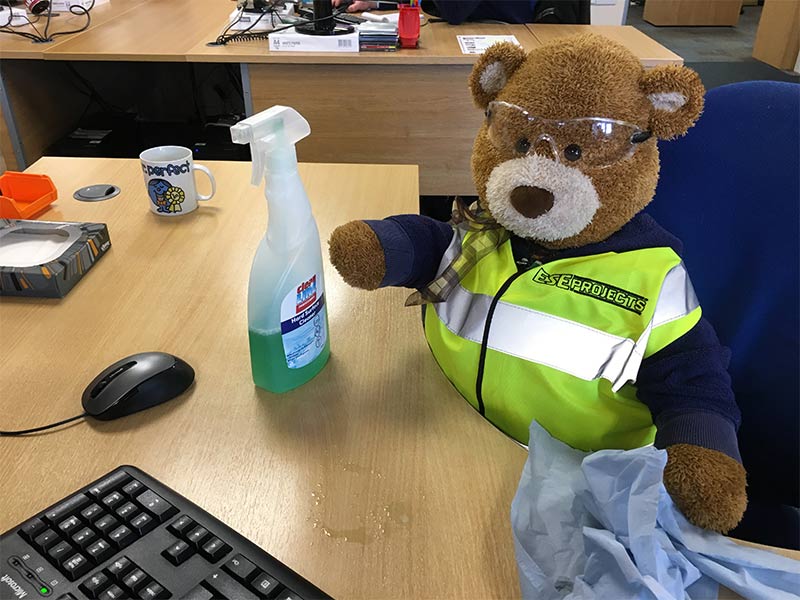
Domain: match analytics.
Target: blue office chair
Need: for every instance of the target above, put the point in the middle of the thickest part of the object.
(730, 189)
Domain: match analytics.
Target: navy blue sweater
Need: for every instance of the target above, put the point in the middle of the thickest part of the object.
(686, 385)
(456, 12)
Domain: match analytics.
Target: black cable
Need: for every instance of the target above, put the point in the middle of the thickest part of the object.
(221, 39)
(46, 37)
(195, 94)
(43, 427)
(81, 11)
(92, 92)
(242, 36)
(47, 23)
(25, 34)
(232, 23)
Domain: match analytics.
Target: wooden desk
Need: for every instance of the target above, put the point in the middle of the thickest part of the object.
(378, 449)
(375, 479)
(159, 30)
(692, 12)
(408, 107)
(778, 36)
(649, 51)
(405, 107)
(17, 47)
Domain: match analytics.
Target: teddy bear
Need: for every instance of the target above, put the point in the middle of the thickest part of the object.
(554, 297)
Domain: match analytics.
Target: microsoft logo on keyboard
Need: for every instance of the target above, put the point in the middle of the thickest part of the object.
(15, 587)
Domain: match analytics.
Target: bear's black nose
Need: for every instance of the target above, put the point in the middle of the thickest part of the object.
(531, 201)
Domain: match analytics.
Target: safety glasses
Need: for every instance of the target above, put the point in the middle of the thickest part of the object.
(587, 141)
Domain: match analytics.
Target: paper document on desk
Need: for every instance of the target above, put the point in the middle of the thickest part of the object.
(477, 44)
(591, 526)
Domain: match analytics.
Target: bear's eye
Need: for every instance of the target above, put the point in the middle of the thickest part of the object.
(522, 146)
(572, 152)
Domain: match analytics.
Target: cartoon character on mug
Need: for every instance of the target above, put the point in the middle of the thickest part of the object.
(167, 197)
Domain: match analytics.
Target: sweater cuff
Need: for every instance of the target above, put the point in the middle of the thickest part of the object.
(705, 429)
(398, 252)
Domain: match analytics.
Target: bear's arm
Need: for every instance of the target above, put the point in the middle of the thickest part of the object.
(413, 247)
(688, 390)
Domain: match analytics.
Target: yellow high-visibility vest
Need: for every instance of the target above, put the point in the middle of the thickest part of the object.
(561, 342)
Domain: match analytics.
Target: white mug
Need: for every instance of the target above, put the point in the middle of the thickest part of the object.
(169, 179)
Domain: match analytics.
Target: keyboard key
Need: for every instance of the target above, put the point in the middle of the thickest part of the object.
(112, 482)
(135, 579)
(154, 591)
(106, 523)
(121, 537)
(241, 568)
(143, 523)
(92, 512)
(76, 566)
(113, 593)
(288, 594)
(32, 528)
(84, 537)
(70, 525)
(95, 584)
(66, 508)
(113, 500)
(181, 526)
(99, 551)
(45, 541)
(127, 511)
(160, 508)
(198, 593)
(264, 585)
(60, 552)
(119, 567)
(197, 536)
(214, 549)
(178, 553)
(224, 586)
(133, 488)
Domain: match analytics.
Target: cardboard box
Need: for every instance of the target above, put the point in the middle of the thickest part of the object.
(291, 41)
(45, 259)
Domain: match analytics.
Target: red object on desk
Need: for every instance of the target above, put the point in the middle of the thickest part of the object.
(408, 26)
(23, 195)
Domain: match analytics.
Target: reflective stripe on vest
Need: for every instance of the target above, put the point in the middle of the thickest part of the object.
(571, 347)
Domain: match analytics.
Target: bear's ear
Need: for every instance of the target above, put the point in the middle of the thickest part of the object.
(493, 70)
(676, 98)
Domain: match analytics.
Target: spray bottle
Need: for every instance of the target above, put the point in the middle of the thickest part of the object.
(286, 311)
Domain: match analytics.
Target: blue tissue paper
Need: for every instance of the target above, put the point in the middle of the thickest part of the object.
(601, 525)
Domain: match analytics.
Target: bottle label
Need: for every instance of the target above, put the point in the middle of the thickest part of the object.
(303, 323)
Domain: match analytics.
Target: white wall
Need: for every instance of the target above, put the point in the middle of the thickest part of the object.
(609, 12)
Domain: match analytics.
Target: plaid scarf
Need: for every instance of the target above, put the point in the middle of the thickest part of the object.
(487, 236)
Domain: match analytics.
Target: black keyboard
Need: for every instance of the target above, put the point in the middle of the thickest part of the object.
(129, 536)
(349, 19)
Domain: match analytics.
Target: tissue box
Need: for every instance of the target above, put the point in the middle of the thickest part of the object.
(45, 259)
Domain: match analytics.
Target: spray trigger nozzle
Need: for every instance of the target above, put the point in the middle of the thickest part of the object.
(272, 135)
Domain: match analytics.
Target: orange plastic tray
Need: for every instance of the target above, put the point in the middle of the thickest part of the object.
(23, 195)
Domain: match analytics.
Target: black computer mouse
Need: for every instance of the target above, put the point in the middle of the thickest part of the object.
(136, 383)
